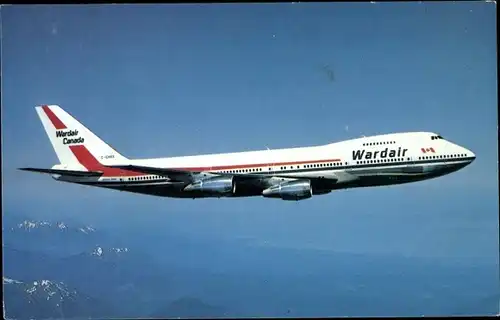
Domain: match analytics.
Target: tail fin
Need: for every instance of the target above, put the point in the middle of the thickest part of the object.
(74, 144)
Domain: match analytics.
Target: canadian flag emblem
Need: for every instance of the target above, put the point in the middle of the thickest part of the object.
(425, 150)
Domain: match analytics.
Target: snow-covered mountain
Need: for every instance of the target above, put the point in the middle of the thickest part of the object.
(57, 238)
(57, 291)
(116, 271)
(99, 251)
(31, 225)
(112, 274)
(48, 299)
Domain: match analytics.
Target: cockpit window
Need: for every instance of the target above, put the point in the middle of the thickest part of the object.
(436, 137)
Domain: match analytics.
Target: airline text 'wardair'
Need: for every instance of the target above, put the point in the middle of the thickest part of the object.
(69, 136)
(380, 154)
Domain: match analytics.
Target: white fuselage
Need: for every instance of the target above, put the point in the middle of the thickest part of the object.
(368, 161)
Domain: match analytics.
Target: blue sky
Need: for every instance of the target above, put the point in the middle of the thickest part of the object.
(168, 80)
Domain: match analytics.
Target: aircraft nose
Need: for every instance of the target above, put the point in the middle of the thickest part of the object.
(470, 155)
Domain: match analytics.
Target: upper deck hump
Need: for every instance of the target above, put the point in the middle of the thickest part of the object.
(275, 155)
(388, 136)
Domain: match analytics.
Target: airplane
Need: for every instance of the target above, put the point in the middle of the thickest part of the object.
(288, 174)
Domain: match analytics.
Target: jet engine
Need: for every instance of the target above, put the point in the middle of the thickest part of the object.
(294, 190)
(216, 185)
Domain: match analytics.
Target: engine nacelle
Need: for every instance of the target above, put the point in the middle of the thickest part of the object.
(217, 185)
(294, 190)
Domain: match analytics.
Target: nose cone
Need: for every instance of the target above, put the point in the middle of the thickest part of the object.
(471, 155)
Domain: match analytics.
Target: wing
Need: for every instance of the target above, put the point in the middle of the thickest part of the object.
(174, 174)
(179, 174)
(153, 170)
(189, 176)
(75, 173)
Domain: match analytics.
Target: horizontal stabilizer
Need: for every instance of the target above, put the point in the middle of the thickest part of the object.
(75, 173)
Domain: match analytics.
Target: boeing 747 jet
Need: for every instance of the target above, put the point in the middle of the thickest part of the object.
(287, 174)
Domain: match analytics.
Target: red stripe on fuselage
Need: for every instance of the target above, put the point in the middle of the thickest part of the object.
(58, 124)
(92, 164)
(256, 165)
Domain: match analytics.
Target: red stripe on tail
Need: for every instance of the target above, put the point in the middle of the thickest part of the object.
(53, 118)
(92, 164)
